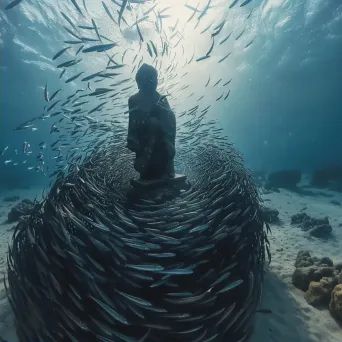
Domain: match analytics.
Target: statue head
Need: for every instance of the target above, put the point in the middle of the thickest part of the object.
(147, 78)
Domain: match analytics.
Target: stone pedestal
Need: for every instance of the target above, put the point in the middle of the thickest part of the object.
(158, 190)
(148, 184)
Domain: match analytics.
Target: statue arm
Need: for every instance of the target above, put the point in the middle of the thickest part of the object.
(171, 132)
(132, 139)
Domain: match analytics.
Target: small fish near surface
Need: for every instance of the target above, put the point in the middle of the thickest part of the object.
(74, 77)
(4, 150)
(246, 2)
(99, 48)
(74, 2)
(122, 9)
(13, 4)
(108, 12)
(59, 53)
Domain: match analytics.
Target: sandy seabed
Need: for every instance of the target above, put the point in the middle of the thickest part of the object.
(285, 315)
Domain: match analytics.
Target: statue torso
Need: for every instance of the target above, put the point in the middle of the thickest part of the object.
(140, 116)
(144, 102)
(145, 108)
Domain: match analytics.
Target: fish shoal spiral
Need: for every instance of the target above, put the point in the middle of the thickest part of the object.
(92, 265)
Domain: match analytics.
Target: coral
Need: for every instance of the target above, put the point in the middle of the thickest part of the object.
(25, 207)
(303, 259)
(320, 228)
(318, 293)
(310, 269)
(302, 276)
(321, 231)
(324, 178)
(338, 266)
(287, 179)
(320, 280)
(270, 215)
(335, 306)
(325, 261)
(299, 218)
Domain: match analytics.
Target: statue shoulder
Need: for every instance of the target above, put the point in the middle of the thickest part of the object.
(162, 99)
(133, 99)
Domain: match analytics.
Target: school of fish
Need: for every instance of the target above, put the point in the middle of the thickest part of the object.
(82, 119)
(91, 265)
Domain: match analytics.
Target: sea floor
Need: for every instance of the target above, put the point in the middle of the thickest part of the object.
(287, 317)
(292, 319)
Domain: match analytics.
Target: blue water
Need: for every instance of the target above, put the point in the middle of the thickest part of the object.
(284, 109)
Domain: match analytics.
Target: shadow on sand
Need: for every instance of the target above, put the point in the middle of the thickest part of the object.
(285, 322)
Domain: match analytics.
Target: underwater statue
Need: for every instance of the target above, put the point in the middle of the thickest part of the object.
(152, 128)
(161, 261)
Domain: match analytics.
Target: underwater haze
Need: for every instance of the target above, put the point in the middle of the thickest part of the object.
(254, 173)
(283, 110)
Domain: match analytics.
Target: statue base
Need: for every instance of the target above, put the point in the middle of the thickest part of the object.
(158, 190)
(153, 183)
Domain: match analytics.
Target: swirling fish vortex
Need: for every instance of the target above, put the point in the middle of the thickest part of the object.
(92, 264)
